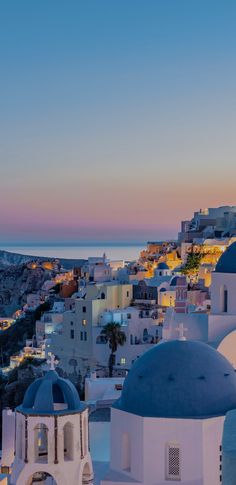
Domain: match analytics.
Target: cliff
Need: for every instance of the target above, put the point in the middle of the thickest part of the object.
(15, 283)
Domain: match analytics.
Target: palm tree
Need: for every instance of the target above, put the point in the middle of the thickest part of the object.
(114, 336)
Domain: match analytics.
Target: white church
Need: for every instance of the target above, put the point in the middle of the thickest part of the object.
(218, 328)
(175, 419)
(45, 441)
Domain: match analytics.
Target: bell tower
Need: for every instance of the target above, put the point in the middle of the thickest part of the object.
(52, 435)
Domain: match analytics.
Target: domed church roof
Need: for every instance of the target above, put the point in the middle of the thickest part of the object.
(227, 261)
(163, 266)
(51, 395)
(179, 379)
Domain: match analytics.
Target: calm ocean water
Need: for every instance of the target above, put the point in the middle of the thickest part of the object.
(115, 251)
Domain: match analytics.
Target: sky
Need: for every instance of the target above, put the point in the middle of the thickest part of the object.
(117, 118)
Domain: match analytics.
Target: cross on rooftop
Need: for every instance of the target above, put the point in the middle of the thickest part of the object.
(181, 329)
(52, 362)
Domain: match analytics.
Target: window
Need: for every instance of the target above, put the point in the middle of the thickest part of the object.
(41, 443)
(85, 336)
(126, 453)
(84, 309)
(173, 462)
(72, 323)
(224, 299)
(103, 296)
(81, 335)
(220, 464)
(84, 322)
(118, 387)
(68, 441)
(72, 334)
(128, 316)
(127, 294)
(123, 360)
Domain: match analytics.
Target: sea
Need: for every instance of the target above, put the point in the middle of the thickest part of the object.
(126, 252)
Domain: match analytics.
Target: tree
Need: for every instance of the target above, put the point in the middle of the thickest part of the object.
(193, 262)
(114, 336)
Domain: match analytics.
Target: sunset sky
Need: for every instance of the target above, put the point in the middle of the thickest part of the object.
(117, 118)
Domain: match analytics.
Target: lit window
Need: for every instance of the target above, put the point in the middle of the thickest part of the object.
(84, 322)
(123, 360)
(173, 462)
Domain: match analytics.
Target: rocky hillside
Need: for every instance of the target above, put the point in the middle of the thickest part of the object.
(8, 259)
(15, 283)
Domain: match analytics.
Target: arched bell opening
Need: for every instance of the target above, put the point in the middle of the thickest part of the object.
(68, 438)
(41, 443)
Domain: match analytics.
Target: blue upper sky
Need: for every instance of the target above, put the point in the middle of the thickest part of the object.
(117, 118)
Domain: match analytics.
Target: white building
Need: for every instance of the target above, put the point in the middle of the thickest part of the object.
(50, 321)
(45, 440)
(103, 390)
(73, 343)
(218, 328)
(141, 329)
(168, 424)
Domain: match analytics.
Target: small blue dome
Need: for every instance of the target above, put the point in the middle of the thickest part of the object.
(162, 290)
(179, 379)
(51, 395)
(163, 266)
(227, 261)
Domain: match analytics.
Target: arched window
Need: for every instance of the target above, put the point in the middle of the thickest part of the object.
(41, 477)
(224, 299)
(103, 296)
(87, 476)
(126, 453)
(41, 443)
(145, 334)
(68, 437)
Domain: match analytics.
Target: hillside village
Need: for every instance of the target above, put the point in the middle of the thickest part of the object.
(95, 320)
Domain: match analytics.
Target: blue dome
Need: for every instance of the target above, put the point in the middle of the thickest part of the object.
(163, 266)
(179, 379)
(227, 261)
(51, 395)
